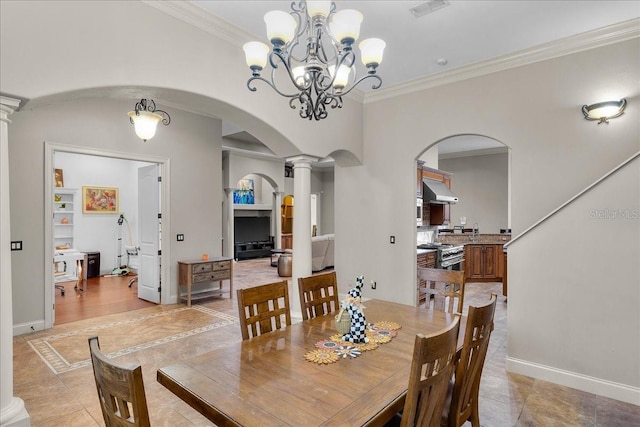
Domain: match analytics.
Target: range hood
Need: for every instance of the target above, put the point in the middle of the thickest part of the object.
(436, 192)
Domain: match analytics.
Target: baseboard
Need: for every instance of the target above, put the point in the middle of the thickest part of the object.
(610, 389)
(27, 328)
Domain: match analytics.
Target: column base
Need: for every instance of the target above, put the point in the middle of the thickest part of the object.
(15, 414)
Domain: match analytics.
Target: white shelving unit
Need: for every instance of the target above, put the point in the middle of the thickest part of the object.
(63, 217)
(64, 210)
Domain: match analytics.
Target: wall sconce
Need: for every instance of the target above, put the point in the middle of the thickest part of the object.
(145, 118)
(603, 111)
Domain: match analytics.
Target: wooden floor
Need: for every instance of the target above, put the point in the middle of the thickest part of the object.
(104, 295)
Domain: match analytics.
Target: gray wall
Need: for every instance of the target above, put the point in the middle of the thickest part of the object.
(481, 184)
(191, 142)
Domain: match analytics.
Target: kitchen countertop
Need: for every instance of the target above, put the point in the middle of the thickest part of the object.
(481, 239)
(424, 251)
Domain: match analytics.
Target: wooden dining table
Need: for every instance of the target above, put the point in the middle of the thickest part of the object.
(266, 381)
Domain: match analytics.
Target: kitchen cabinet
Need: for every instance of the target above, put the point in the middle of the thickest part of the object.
(484, 262)
(504, 275)
(425, 260)
(437, 213)
(419, 179)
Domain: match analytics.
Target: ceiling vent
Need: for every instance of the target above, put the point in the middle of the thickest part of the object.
(428, 7)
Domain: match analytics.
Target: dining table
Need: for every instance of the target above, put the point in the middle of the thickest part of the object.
(267, 381)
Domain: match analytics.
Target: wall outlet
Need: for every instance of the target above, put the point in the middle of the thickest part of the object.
(392, 240)
(373, 284)
(180, 237)
(16, 245)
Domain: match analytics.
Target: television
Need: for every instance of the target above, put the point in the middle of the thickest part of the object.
(252, 229)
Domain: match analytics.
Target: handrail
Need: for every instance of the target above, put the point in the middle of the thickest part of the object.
(568, 202)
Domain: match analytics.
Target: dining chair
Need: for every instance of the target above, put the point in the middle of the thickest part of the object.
(262, 308)
(318, 295)
(431, 371)
(120, 390)
(463, 402)
(442, 289)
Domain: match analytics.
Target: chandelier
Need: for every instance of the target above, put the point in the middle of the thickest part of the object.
(145, 118)
(311, 58)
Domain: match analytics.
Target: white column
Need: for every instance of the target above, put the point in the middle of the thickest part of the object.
(301, 225)
(228, 229)
(276, 216)
(12, 410)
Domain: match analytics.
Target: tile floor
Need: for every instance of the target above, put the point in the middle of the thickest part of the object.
(69, 398)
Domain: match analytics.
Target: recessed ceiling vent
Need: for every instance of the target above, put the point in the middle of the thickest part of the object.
(426, 7)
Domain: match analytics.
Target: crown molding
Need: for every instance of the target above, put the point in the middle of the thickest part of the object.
(202, 19)
(212, 24)
(589, 40)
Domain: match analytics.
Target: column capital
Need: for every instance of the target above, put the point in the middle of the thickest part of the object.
(278, 193)
(302, 159)
(7, 107)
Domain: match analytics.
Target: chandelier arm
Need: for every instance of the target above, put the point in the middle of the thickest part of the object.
(374, 86)
(279, 92)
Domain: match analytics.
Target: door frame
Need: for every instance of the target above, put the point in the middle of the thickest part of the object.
(165, 167)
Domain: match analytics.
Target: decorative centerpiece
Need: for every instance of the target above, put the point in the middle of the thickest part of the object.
(353, 306)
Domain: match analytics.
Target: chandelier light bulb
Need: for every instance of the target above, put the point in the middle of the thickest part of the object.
(256, 55)
(145, 124)
(342, 78)
(345, 26)
(318, 8)
(300, 75)
(371, 51)
(281, 27)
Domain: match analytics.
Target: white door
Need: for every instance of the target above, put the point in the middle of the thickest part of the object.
(149, 233)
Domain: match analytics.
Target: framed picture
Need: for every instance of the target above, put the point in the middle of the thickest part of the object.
(244, 194)
(59, 179)
(100, 200)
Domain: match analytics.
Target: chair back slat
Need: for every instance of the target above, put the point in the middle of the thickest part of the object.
(464, 399)
(431, 370)
(318, 295)
(442, 290)
(263, 309)
(120, 390)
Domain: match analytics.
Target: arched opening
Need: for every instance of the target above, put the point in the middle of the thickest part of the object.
(475, 221)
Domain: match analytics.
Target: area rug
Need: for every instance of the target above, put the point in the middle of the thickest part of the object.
(67, 351)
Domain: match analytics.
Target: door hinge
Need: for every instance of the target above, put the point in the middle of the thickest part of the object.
(159, 179)
(159, 216)
(159, 288)
(160, 252)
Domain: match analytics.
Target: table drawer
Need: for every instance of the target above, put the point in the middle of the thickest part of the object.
(222, 265)
(201, 268)
(210, 276)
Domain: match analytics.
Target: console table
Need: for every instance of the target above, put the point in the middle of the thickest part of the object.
(215, 269)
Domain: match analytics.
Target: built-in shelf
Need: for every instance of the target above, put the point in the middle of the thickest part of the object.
(255, 207)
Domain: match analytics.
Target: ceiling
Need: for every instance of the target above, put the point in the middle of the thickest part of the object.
(460, 34)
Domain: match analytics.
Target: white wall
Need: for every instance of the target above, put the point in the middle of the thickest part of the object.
(555, 153)
(576, 318)
(481, 184)
(98, 232)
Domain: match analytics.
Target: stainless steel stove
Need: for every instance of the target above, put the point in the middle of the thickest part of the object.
(449, 257)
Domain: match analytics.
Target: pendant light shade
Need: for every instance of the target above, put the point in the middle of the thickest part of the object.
(145, 118)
